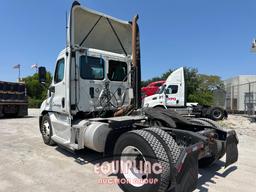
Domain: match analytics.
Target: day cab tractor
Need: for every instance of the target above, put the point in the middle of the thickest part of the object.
(172, 95)
(94, 102)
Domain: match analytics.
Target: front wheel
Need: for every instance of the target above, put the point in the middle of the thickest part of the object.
(46, 130)
(143, 162)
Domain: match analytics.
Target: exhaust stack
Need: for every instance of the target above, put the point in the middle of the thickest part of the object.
(136, 62)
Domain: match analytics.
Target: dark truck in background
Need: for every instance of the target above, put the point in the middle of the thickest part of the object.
(13, 99)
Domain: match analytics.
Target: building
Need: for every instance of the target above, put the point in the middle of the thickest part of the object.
(241, 94)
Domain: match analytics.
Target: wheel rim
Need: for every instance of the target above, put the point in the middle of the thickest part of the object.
(46, 128)
(133, 173)
(217, 114)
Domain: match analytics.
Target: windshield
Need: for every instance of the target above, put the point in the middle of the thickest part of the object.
(161, 89)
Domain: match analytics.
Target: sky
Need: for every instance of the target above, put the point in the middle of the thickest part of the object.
(213, 36)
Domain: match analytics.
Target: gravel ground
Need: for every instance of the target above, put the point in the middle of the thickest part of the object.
(26, 164)
(242, 124)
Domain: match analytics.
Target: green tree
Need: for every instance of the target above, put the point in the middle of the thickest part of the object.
(35, 91)
(210, 82)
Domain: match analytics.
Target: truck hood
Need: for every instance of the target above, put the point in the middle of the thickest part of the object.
(92, 29)
(147, 100)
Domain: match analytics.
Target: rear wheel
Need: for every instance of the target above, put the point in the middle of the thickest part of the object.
(173, 150)
(211, 122)
(216, 114)
(1, 111)
(143, 149)
(46, 130)
(200, 121)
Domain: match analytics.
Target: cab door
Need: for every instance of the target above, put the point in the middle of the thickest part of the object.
(175, 89)
(59, 113)
(57, 89)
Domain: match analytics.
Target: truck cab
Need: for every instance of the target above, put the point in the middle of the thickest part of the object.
(171, 93)
(94, 77)
(95, 72)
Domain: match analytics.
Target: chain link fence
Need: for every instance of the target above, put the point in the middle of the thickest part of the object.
(241, 98)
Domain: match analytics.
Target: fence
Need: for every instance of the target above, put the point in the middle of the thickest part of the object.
(241, 98)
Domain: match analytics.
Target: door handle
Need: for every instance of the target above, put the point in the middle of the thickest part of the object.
(91, 90)
(63, 102)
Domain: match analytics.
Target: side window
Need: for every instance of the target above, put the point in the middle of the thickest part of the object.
(161, 89)
(59, 73)
(117, 70)
(91, 68)
(172, 89)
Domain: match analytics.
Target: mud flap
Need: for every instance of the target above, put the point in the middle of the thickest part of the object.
(231, 148)
(187, 176)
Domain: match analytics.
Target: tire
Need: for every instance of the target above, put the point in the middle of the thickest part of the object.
(216, 114)
(46, 130)
(159, 107)
(22, 111)
(200, 121)
(172, 148)
(156, 123)
(1, 111)
(211, 122)
(143, 146)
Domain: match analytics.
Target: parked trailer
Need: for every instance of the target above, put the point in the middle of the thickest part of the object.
(94, 102)
(13, 99)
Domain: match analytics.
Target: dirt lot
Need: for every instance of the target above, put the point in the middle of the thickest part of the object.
(26, 164)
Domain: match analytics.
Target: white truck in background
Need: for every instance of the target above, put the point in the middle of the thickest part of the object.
(94, 102)
(172, 95)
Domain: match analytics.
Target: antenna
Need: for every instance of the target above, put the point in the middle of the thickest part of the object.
(66, 29)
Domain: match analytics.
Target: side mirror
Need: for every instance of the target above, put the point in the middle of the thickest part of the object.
(42, 75)
(52, 89)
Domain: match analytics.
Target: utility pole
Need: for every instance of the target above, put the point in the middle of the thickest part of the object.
(253, 49)
(250, 101)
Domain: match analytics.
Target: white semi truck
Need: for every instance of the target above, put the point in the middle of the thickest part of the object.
(172, 95)
(94, 102)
